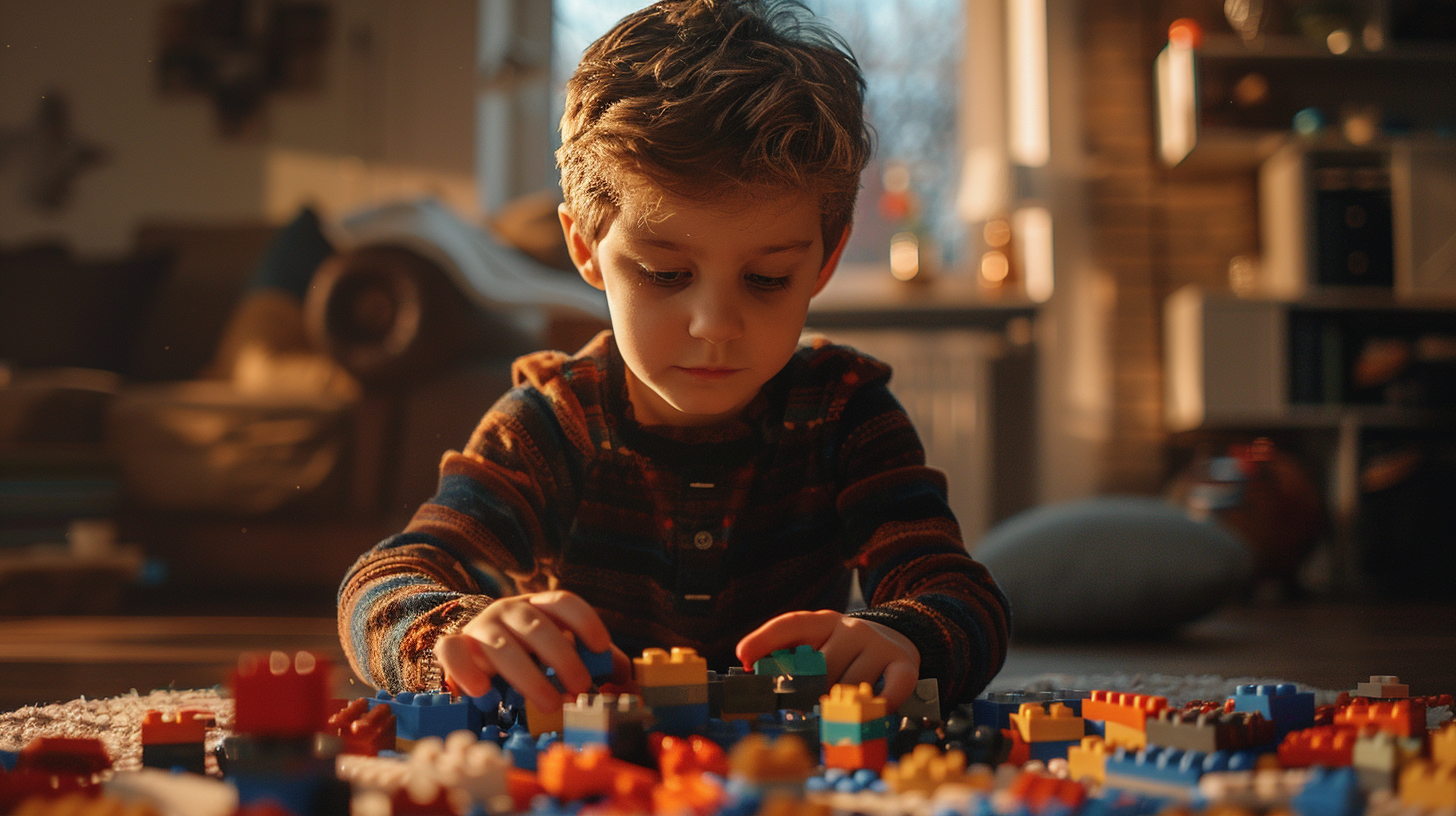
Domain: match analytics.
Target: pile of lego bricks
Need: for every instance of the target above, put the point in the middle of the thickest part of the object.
(777, 740)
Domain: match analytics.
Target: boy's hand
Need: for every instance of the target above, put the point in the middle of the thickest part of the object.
(503, 638)
(855, 650)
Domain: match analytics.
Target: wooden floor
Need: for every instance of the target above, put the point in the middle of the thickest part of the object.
(1322, 645)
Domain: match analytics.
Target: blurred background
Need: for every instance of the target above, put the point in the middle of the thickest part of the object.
(1169, 287)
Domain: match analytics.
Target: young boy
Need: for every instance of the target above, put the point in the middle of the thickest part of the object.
(692, 477)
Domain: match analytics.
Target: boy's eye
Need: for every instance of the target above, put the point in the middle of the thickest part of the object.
(667, 278)
(769, 282)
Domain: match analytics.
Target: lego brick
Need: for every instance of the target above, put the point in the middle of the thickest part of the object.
(1425, 785)
(186, 726)
(1285, 705)
(801, 661)
(923, 703)
(280, 696)
(852, 704)
(64, 756)
(681, 667)
(995, 708)
(1048, 750)
(1037, 724)
(1020, 752)
(428, 715)
(542, 721)
(746, 694)
(1131, 710)
(659, 696)
(598, 664)
(1379, 757)
(1043, 793)
(677, 756)
(1088, 760)
(680, 720)
(190, 757)
(832, 732)
(1118, 735)
(40, 788)
(799, 693)
(1383, 686)
(1210, 730)
(363, 729)
(1330, 746)
(759, 761)
(1403, 718)
(1330, 792)
(925, 769)
(872, 754)
(1172, 767)
(1443, 745)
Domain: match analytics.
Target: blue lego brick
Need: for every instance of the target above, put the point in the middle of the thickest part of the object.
(1048, 751)
(680, 720)
(1071, 698)
(582, 737)
(1170, 766)
(1284, 705)
(417, 716)
(995, 708)
(801, 661)
(726, 732)
(297, 794)
(8, 759)
(835, 733)
(839, 780)
(521, 747)
(1095, 728)
(598, 664)
(1330, 792)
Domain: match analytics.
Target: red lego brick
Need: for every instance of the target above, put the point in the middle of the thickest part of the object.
(689, 794)
(871, 754)
(1403, 718)
(679, 756)
(64, 756)
(1036, 791)
(19, 786)
(363, 730)
(1020, 748)
(1131, 710)
(183, 728)
(1332, 746)
(523, 786)
(279, 696)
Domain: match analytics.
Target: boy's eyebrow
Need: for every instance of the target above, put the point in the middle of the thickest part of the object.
(663, 243)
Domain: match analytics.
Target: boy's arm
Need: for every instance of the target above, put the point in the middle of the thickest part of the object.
(485, 534)
(913, 567)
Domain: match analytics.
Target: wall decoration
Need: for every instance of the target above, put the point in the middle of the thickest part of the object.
(239, 52)
(49, 154)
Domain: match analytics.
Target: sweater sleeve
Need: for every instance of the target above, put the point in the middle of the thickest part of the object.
(485, 534)
(915, 573)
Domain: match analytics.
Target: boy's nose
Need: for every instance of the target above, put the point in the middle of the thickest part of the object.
(716, 320)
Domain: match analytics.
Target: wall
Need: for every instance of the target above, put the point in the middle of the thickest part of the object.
(1152, 229)
(395, 116)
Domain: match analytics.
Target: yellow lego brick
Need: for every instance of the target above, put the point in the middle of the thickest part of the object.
(786, 759)
(1088, 760)
(847, 703)
(77, 804)
(1425, 785)
(925, 768)
(1118, 735)
(1036, 725)
(682, 667)
(1443, 746)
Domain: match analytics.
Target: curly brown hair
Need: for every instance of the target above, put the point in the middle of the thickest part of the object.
(707, 97)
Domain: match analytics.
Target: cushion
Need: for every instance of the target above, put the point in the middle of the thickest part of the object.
(1112, 566)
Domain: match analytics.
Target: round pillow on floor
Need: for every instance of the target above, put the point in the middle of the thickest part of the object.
(1112, 566)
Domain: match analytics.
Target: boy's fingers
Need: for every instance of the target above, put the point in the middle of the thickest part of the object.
(572, 612)
(785, 631)
(463, 664)
(621, 666)
(513, 663)
(900, 679)
(539, 632)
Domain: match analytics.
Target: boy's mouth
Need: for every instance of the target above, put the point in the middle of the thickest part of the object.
(708, 373)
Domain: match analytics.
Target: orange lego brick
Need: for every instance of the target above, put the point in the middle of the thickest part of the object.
(871, 754)
(1425, 785)
(1089, 760)
(656, 667)
(687, 794)
(1332, 746)
(79, 804)
(782, 804)
(523, 786)
(684, 756)
(1403, 718)
(784, 760)
(1131, 710)
(925, 768)
(1124, 736)
(1443, 746)
(1036, 724)
(569, 774)
(846, 703)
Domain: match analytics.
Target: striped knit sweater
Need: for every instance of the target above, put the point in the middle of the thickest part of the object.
(683, 536)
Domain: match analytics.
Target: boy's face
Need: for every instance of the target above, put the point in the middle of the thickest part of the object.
(707, 299)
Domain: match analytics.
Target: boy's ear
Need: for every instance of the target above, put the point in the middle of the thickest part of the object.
(579, 249)
(832, 262)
